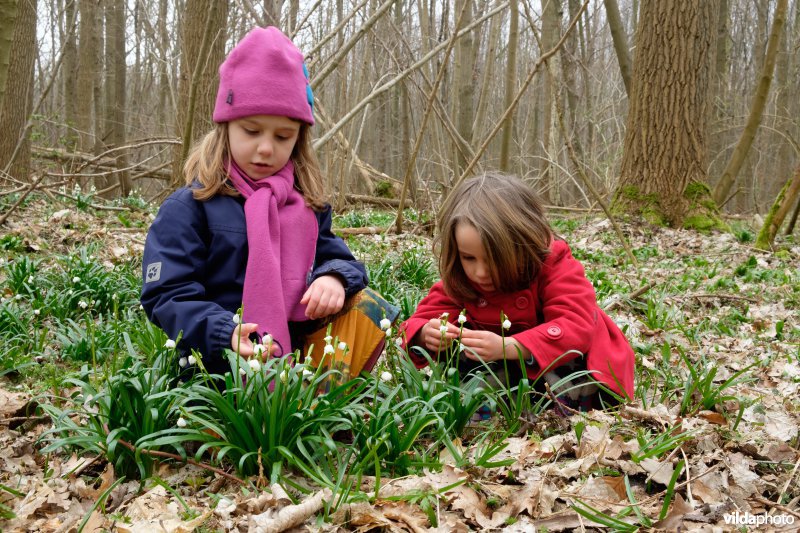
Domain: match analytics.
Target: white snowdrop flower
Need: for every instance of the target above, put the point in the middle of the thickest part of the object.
(235, 318)
(506, 323)
(461, 347)
(82, 304)
(284, 376)
(192, 360)
(30, 280)
(389, 332)
(444, 316)
(69, 293)
(182, 362)
(398, 341)
(342, 346)
(267, 339)
(385, 323)
(181, 422)
(36, 312)
(258, 349)
(255, 366)
(462, 318)
(169, 344)
(328, 339)
(18, 297)
(329, 349)
(307, 373)
(242, 371)
(114, 296)
(386, 376)
(443, 328)
(76, 279)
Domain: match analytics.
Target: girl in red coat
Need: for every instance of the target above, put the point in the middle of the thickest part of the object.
(511, 290)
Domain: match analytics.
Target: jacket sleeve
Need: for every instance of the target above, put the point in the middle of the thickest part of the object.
(173, 290)
(334, 257)
(569, 308)
(434, 305)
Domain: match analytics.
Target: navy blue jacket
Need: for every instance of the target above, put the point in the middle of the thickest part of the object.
(194, 262)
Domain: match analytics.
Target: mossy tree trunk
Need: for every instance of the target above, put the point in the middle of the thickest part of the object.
(777, 214)
(666, 134)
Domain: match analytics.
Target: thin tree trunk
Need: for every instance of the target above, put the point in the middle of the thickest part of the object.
(550, 31)
(70, 80)
(463, 77)
(728, 178)
(87, 73)
(617, 28)
(510, 86)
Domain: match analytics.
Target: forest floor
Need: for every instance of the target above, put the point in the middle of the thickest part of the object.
(710, 442)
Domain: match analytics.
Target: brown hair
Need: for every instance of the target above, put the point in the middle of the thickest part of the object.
(206, 165)
(512, 226)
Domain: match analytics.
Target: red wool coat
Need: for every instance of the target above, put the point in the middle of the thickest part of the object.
(557, 318)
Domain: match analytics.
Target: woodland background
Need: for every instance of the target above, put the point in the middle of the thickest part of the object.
(413, 95)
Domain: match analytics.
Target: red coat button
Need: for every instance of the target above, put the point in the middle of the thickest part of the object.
(554, 331)
(482, 302)
(522, 303)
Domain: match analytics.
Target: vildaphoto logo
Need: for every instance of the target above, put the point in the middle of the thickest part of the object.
(747, 519)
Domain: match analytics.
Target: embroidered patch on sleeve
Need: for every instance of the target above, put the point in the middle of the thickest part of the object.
(153, 272)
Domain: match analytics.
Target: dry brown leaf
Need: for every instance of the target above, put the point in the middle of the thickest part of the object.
(713, 417)
(12, 402)
(617, 484)
(705, 493)
(466, 499)
(289, 516)
(154, 511)
(778, 452)
(407, 514)
(600, 490)
(674, 519)
(659, 471)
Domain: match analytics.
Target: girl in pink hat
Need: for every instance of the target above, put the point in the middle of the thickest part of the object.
(251, 229)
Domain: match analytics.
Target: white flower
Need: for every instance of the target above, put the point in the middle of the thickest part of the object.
(328, 339)
(284, 376)
(398, 341)
(328, 349)
(386, 376)
(192, 360)
(342, 346)
(255, 366)
(461, 347)
(235, 318)
(258, 349)
(307, 373)
(36, 312)
(181, 422)
(266, 339)
(114, 296)
(182, 362)
(389, 332)
(506, 323)
(76, 279)
(443, 328)
(385, 323)
(169, 344)
(462, 318)
(444, 316)
(242, 371)
(82, 304)
(30, 280)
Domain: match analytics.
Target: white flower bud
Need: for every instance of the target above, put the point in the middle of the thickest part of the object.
(506, 323)
(181, 422)
(329, 349)
(386, 376)
(342, 346)
(385, 323)
(76, 279)
(192, 360)
(462, 318)
(255, 366)
(182, 362)
(170, 344)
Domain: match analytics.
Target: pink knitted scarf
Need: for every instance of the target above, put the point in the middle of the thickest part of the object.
(281, 237)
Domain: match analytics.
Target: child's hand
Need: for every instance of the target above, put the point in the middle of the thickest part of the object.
(324, 297)
(240, 341)
(430, 336)
(489, 346)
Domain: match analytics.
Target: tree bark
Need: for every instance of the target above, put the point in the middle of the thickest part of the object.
(87, 73)
(777, 214)
(510, 86)
(9, 10)
(116, 68)
(69, 67)
(17, 105)
(728, 178)
(463, 104)
(665, 140)
(617, 28)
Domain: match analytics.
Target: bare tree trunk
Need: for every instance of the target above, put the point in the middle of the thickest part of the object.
(665, 140)
(272, 13)
(777, 214)
(202, 50)
(463, 104)
(114, 129)
(8, 21)
(70, 66)
(550, 33)
(510, 86)
(617, 28)
(17, 106)
(87, 73)
(728, 178)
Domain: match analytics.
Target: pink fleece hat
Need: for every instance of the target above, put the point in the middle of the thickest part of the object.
(264, 75)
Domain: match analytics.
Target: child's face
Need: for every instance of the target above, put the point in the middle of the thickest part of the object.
(473, 257)
(262, 144)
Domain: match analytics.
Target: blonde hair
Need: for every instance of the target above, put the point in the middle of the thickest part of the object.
(206, 165)
(512, 226)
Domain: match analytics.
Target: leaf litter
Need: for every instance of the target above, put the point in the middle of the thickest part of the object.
(715, 299)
